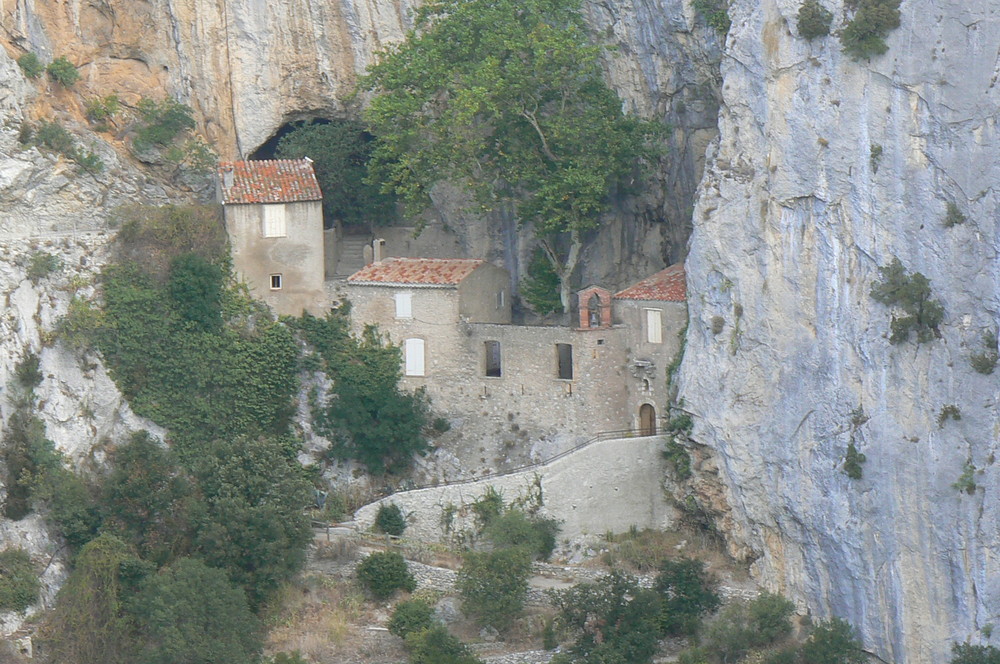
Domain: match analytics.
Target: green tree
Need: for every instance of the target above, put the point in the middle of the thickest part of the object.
(412, 615)
(250, 522)
(340, 151)
(369, 419)
(63, 72)
(912, 294)
(966, 653)
(833, 642)
(688, 593)
(31, 65)
(507, 98)
(390, 520)
(190, 613)
(493, 585)
(614, 619)
(437, 646)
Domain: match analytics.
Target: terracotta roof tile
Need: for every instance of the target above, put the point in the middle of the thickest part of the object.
(669, 285)
(417, 271)
(274, 181)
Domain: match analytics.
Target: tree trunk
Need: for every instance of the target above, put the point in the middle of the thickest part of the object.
(564, 269)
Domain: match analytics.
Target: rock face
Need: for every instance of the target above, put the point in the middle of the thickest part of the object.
(826, 169)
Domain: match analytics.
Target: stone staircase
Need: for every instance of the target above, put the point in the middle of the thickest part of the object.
(350, 254)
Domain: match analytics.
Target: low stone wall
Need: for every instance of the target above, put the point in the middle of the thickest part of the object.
(610, 485)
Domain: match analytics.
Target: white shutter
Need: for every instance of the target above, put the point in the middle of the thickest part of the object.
(404, 305)
(654, 328)
(413, 352)
(274, 221)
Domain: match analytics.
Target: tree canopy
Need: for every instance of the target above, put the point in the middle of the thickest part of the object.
(507, 98)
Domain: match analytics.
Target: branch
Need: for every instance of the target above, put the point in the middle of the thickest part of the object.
(530, 117)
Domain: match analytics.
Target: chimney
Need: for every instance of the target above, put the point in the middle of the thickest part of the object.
(367, 254)
(227, 177)
(378, 250)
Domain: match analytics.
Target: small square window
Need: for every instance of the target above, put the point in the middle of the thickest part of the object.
(275, 282)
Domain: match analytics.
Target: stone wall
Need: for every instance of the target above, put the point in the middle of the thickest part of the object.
(607, 486)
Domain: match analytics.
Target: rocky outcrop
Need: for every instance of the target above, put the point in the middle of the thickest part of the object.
(825, 169)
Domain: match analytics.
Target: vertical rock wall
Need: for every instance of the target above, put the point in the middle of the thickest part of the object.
(826, 169)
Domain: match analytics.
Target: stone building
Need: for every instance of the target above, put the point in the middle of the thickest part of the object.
(451, 318)
(274, 217)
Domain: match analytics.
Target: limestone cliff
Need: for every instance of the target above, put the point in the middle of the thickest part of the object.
(826, 169)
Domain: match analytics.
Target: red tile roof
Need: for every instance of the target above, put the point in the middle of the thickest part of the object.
(275, 181)
(669, 285)
(417, 271)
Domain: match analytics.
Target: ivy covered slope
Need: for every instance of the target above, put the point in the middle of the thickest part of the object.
(846, 240)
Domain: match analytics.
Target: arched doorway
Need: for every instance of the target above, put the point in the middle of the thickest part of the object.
(647, 420)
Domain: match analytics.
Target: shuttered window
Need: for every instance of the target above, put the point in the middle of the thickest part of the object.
(404, 305)
(274, 221)
(654, 326)
(413, 352)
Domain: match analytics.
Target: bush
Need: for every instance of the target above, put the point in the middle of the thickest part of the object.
(31, 65)
(953, 216)
(390, 520)
(740, 627)
(614, 620)
(864, 35)
(63, 72)
(951, 411)
(190, 613)
(196, 291)
(384, 573)
(966, 653)
(770, 618)
(41, 265)
(437, 646)
(687, 592)
(814, 20)
(853, 461)
(52, 136)
(715, 13)
(162, 122)
(966, 481)
(515, 529)
(414, 615)
(102, 109)
(912, 294)
(18, 581)
(985, 361)
(27, 373)
(487, 507)
(82, 324)
(832, 642)
(679, 459)
(493, 586)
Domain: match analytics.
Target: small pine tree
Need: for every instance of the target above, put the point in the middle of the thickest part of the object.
(814, 20)
(63, 72)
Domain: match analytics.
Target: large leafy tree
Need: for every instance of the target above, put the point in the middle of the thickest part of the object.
(506, 97)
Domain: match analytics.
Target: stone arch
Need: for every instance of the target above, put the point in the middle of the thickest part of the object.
(595, 308)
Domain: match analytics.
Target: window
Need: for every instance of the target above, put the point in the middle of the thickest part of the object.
(404, 305)
(654, 326)
(274, 221)
(413, 354)
(492, 349)
(275, 282)
(564, 358)
(500, 299)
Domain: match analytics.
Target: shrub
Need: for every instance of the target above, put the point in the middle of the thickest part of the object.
(770, 617)
(966, 481)
(715, 13)
(63, 72)
(740, 627)
(951, 411)
(833, 642)
(191, 613)
(687, 593)
(864, 35)
(88, 161)
(614, 620)
(31, 65)
(814, 20)
(679, 459)
(52, 136)
(18, 581)
(912, 294)
(81, 325)
(966, 653)
(41, 265)
(390, 520)
(437, 646)
(985, 361)
(487, 507)
(162, 122)
(493, 586)
(515, 529)
(413, 615)
(102, 109)
(953, 216)
(874, 156)
(195, 288)
(384, 573)
(27, 373)
(852, 462)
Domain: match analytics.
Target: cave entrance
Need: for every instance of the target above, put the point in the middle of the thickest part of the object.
(269, 148)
